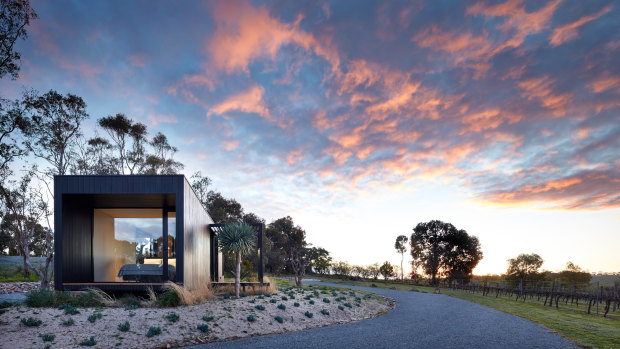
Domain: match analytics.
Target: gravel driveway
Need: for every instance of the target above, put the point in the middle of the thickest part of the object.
(420, 320)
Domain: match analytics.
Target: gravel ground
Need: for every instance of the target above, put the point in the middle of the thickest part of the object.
(420, 320)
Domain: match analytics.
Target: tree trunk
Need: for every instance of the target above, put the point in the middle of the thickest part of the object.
(238, 274)
(402, 275)
(26, 269)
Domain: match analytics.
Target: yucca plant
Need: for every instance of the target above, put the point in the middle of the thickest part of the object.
(237, 238)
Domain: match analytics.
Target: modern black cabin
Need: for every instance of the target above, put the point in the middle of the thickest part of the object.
(130, 232)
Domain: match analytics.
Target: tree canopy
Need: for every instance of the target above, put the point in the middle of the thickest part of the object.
(15, 16)
(524, 267)
(442, 249)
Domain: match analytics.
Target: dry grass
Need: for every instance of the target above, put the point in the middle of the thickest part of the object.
(191, 297)
(103, 297)
(152, 300)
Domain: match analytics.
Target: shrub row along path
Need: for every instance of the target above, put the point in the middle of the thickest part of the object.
(420, 320)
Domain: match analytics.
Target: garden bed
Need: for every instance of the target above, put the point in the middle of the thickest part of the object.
(216, 319)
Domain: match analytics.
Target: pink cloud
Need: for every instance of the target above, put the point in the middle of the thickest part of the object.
(569, 32)
(245, 33)
(249, 101)
(156, 119)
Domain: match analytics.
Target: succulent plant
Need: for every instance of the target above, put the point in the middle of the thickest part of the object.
(68, 322)
(282, 306)
(325, 312)
(203, 328)
(31, 322)
(279, 319)
(260, 307)
(251, 318)
(48, 337)
(308, 314)
(89, 342)
(340, 307)
(296, 304)
(207, 318)
(93, 317)
(153, 331)
(124, 327)
(326, 300)
(172, 316)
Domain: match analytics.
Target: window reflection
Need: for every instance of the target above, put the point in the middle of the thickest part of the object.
(128, 246)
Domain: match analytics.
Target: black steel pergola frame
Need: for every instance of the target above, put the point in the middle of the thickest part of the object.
(215, 247)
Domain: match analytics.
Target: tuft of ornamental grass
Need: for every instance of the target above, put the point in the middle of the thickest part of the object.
(171, 317)
(169, 298)
(251, 318)
(308, 314)
(48, 337)
(89, 342)
(31, 322)
(260, 307)
(279, 319)
(153, 331)
(325, 312)
(124, 327)
(282, 306)
(203, 328)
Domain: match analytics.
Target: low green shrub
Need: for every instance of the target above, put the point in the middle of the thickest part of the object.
(242, 294)
(251, 318)
(260, 307)
(311, 302)
(89, 342)
(284, 298)
(69, 309)
(5, 304)
(130, 300)
(171, 317)
(260, 296)
(207, 318)
(203, 328)
(31, 322)
(326, 300)
(68, 322)
(348, 305)
(273, 300)
(124, 327)
(267, 294)
(296, 304)
(282, 306)
(279, 319)
(308, 314)
(94, 316)
(340, 307)
(153, 331)
(48, 337)
(170, 298)
(324, 312)
(252, 301)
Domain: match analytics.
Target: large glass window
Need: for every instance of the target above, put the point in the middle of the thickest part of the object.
(128, 245)
(172, 237)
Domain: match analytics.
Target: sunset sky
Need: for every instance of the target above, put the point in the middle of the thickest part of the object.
(362, 118)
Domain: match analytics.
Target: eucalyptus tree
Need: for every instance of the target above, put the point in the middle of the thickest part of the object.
(441, 248)
(401, 247)
(56, 128)
(15, 15)
(236, 238)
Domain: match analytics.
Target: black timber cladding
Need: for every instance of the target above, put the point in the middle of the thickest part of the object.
(76, 196)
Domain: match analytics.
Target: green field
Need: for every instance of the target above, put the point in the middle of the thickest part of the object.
(590, 331)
